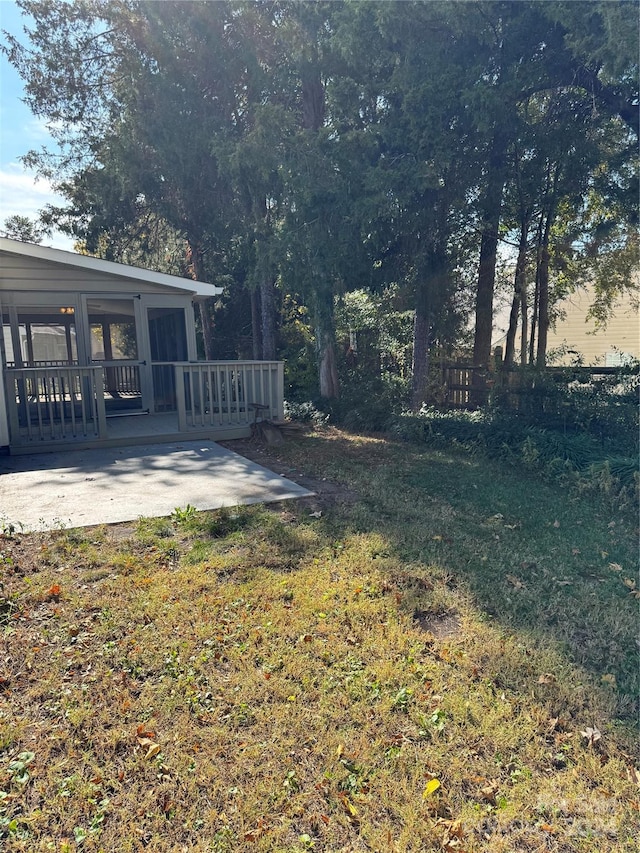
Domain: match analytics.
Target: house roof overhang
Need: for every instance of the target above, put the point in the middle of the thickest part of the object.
(197, 289)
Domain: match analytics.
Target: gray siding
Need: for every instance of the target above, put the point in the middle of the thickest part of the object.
(21, 273)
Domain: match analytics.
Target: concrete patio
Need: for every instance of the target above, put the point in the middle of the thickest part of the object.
(80, 488)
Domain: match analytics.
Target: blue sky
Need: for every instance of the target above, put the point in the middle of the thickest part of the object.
(20, 131)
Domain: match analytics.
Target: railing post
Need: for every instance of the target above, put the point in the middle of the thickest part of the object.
(180, 398)
(98, 384)
(15, 398)
(279, 391)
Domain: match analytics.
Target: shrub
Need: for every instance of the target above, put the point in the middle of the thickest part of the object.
(578, 456)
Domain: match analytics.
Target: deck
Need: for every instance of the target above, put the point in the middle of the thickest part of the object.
(64, 406)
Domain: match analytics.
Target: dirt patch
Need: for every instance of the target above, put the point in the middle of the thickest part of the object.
(441, 625)
(326, 492)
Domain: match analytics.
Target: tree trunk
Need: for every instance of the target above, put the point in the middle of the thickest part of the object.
(491, 210)
(420, 366)
(204, 305)
(327, 367)
(268, 313)
(519, 286)
(256, 324)
(326, 344)
(207, 328)
(524, 323)
(543, 294)
(313, 102)
(536, 293)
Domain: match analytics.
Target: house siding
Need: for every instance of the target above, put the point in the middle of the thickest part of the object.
(579, 336)
(20, 273)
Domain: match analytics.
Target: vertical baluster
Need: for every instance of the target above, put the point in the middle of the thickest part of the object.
(208, 378)
(236, 392)
(216, 390)
(61, 401)
(205, 392)
(72, 399)
(264, 382)
(49, 396)
(36, 396)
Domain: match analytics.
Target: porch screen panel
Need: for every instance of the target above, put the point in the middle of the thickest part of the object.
(44, 337)
(114, 344)
(168, 341)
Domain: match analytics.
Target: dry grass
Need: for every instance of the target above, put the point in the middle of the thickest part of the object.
(321, 676)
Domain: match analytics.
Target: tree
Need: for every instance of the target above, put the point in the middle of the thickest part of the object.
(23, 228)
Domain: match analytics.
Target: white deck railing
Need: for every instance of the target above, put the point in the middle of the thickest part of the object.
(55, 403)
(222, 393)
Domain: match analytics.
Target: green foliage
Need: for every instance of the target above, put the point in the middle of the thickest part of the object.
(305, 413)
(579, 432)
(369, 404)
(575, 401)
(297, 349)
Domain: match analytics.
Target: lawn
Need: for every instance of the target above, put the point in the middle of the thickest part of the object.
(437, 652)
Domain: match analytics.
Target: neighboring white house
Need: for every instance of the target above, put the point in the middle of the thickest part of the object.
(88, 344)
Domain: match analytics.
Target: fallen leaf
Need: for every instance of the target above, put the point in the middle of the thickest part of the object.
(54, 592)
(547, 678)
(591, 734)
(348, 806)
(515, 582)
(548, 827)
(431, 787)
(575, 551)
(317, 514)
(633, 774)
(629, 583)
(142, 732)
(489, 792)
(615, 567)
(556, 523)
(153, 750)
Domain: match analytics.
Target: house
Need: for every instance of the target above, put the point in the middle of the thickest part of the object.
(575, 336)
(95, 353)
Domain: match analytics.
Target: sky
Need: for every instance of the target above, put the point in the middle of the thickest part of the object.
(20, 131)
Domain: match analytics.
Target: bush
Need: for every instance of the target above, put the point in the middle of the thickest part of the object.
(574, 401)
(305, 413)
(576, 456)
(366, 404)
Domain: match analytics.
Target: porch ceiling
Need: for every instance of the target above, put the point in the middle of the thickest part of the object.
(83, 488)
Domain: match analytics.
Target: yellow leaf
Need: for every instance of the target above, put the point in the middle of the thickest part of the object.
(431, 788)
(153, 750)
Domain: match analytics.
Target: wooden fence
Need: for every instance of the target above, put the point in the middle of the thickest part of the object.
(467, 387)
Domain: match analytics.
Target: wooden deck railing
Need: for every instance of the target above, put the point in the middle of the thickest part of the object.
(220, 393)
(55, 403)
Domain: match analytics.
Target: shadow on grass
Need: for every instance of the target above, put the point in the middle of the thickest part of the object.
(533, 556)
